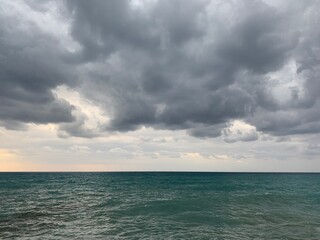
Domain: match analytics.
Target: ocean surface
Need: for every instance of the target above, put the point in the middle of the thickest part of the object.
(159, 206)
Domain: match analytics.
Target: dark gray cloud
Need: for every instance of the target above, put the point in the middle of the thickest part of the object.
(77, 128)
(194, 65)
(30, 68)
(102, 27)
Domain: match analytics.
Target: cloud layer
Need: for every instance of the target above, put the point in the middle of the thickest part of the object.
(169, 64)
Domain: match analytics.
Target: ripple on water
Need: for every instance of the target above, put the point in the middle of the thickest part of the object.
(159, 206)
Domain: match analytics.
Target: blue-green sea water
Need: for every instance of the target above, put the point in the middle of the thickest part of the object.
(159, 206)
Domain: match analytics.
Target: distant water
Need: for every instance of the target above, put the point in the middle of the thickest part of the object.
(159, 206)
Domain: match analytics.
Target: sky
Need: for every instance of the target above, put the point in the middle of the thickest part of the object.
(159, 85)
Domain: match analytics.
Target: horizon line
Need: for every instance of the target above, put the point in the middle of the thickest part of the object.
(155, 171)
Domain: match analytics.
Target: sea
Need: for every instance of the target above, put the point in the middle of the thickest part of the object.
(159, 205)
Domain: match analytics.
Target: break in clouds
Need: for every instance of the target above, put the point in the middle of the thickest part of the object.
(167, 64)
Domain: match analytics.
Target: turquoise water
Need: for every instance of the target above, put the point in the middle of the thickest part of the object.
(159, 206)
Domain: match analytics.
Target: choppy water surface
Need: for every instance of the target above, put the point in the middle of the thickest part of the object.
(159, 206)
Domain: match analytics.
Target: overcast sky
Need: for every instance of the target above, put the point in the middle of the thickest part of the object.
(193, 85)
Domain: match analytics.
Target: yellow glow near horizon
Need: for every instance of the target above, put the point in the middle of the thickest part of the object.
(19, 166)
(9, 162)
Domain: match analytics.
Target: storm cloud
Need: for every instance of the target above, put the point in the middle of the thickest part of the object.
(30, 67)
(169, 64)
